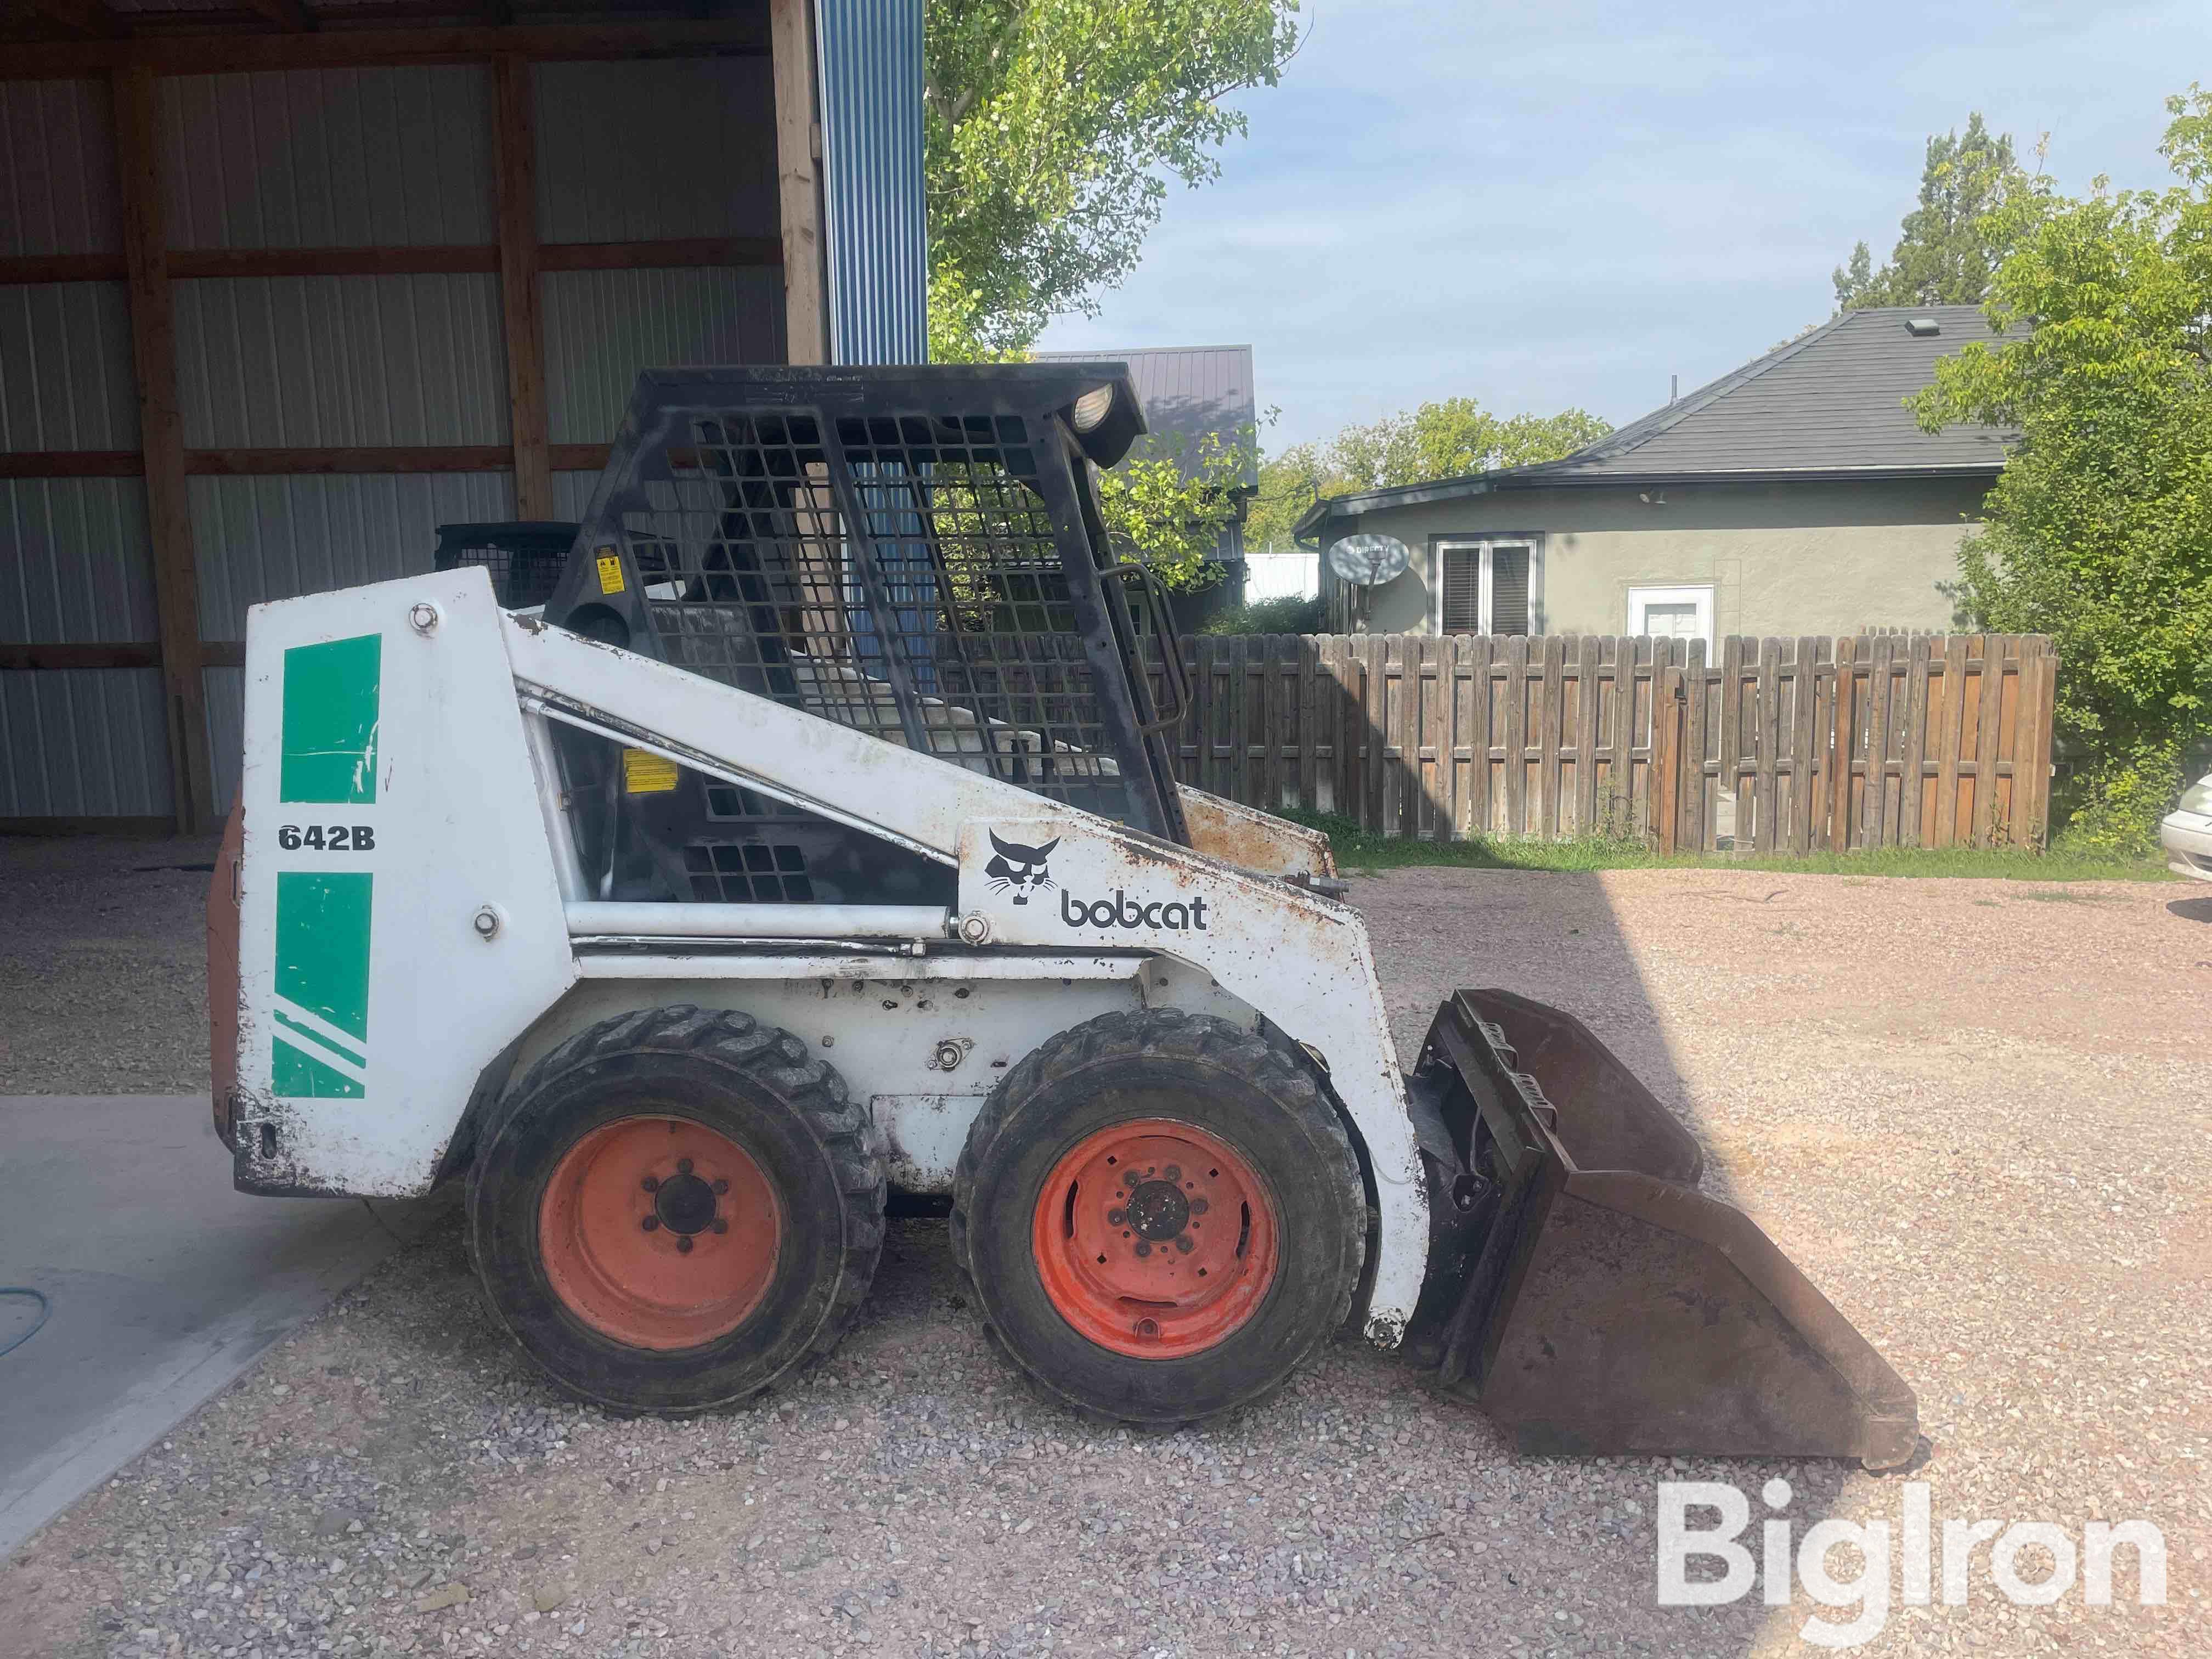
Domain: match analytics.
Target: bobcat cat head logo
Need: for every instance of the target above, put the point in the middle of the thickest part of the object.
(1019, 867)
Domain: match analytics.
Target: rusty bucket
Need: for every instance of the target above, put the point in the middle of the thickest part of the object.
(1602, 1303)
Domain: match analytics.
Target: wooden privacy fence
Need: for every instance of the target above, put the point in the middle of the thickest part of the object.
(1944, 740)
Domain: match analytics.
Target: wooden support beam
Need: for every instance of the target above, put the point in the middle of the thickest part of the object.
(799, 182)
(293, 463)
(514, 152)
(744, 34)
(279, 463)
(162, 436)
(20, 268)
(430, 260)
(85, 17)
(134, 653)
(138, 654)
(71, 463)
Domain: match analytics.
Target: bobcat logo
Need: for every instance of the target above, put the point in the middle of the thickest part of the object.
(1019, 867)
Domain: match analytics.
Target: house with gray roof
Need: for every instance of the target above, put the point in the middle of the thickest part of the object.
(1795, 495)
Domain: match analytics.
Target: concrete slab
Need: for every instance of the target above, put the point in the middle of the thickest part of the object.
(162, 1282)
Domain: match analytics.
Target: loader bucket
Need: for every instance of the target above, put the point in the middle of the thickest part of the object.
(1608, 1305)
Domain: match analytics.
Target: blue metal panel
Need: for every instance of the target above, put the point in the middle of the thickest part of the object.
(870, 53)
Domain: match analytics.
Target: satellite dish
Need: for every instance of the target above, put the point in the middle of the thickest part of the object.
(1369, 561)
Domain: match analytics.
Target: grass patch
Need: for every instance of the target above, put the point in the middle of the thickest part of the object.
(1356, 851)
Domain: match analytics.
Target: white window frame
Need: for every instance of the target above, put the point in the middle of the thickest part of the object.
(1641, 596)
(1486, 545)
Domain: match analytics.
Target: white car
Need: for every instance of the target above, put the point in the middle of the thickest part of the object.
(2186, 832)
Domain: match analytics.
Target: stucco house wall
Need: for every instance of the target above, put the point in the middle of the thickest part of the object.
(1781, 559)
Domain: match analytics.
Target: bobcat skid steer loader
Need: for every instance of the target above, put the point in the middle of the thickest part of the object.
(819, 836)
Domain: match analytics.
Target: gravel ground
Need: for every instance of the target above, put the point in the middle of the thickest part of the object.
(1973, 1112)
(103, 966)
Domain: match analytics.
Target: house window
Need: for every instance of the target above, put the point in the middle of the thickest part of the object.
(1672, 613)
(1483, 587)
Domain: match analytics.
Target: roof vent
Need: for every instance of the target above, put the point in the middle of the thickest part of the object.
(1921, 328)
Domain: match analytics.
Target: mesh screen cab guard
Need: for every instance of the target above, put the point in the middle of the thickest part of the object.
(916, 552)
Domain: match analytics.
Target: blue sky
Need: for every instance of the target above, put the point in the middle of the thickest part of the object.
(1556, 204)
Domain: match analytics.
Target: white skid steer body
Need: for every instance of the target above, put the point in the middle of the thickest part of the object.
(430, 925)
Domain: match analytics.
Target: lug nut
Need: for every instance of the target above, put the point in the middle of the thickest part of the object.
(1183, 1243)
(1143, 1246)
(1199, 1206)
(651, 1223)
(1115, 1217)
(721, 1186)
(720, 1225)
(651, 1183)
(683, 1166)
(1173, 1172)
(683, 1245)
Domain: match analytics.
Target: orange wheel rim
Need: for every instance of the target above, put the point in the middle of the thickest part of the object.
(1155, 1239)
(659, 1233)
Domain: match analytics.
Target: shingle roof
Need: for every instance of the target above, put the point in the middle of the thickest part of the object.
(1186, 392)
(1833, 399)
(1829, 403)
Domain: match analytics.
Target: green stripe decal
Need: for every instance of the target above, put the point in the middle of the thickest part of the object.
(299, 1073)
(322, 946)
(330, 721)
(312, 1035)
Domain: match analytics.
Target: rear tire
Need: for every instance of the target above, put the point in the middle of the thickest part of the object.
(1161, 1216)
(675, 1208)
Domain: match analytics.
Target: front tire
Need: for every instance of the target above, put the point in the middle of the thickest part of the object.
(675, 1208)
(1161, 1215)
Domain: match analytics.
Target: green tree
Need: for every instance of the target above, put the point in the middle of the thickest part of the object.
(2098, 531)
(1951, 242)
(1168, 508)
(1449, 439)
(1052, 130)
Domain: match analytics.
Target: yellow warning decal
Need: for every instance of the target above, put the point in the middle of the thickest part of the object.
(611, 576)
(645, 772)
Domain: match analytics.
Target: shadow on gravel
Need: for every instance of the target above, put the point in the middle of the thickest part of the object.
(1554, 937)
(2190, 909)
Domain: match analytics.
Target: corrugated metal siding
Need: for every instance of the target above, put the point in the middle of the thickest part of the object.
(224, 690)
(878, 245)
(74, 567)
(281, 536)
(57, 168)
(84, 743)
(329, 158)
(572, 493)
(602, 327)
(313, 360)
(65, 371)
(653, 149)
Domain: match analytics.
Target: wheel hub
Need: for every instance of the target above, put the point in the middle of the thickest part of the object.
(1158, 1210)
(685, 1204)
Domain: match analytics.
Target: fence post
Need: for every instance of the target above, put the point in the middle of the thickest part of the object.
(1668, 707)
(1839, 782)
